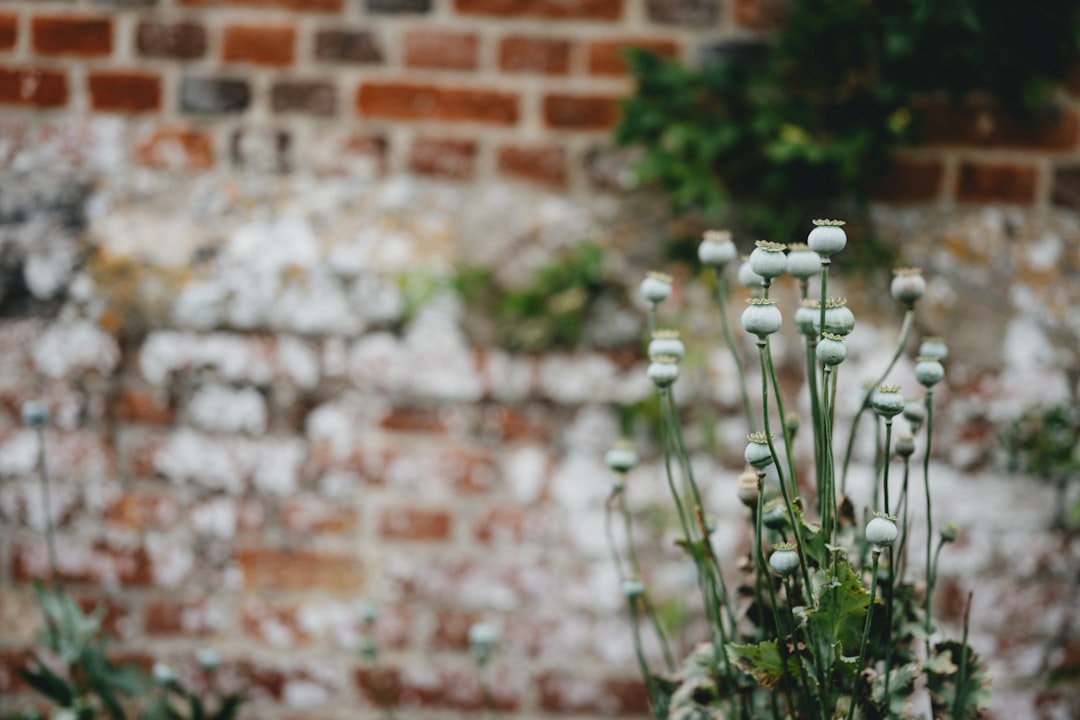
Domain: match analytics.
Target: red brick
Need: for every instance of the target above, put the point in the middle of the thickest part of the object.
(259, 44)
(551, 9)
(33, 87)
(910, 181)
(169, 617)
(93, 563)
(545, 165)
(296, 5)
(507, 423)
(414, 419)
(443, 158)
(415, 524)
(9, 30)
(450, 629)
(305, 514)
(606, 56)
(981, 125)
(170, 148)
(524, 54)
(578, 694)
(405, 101)
(300, 96)
(269, 568)
(128, 92)
(441, 50)
(177, 40)
(510, 525)
(580, 112)
(437, 688)
(85, 36)
(992, 183)
(760, 14)
(142, 512)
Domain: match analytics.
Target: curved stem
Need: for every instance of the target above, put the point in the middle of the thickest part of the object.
(729, 339)
(905, 331)
(783, 424)
(929, 516)
(866, 634)
(610, 533)
(643, 665)
(635, 567)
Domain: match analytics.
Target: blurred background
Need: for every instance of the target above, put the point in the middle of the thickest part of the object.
(333, 307)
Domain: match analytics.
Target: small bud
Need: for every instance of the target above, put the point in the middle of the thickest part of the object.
(621, 456)
(881, 530)
(791, 422)
(747, 276)
(656, 287)
(663, 371)
(481, 641)
(907, 286)
(717, 249)
(948, 532)
(768, 259)
(928, 371)
(827, 238)
(757, 451)
(887, 401)
(666, 342)
(784, 559)
(35, 414)
(802, 262)
(163, 673)
(761, 317)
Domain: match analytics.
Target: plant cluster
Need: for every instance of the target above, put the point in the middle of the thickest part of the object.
(71, 668)
(828, 621)
(781, 130)
(1045, 443)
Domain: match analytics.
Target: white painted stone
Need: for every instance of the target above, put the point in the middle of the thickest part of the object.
(217, 408)
(65, 348)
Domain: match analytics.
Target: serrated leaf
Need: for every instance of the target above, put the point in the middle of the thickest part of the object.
(762, 662)
(841, 610)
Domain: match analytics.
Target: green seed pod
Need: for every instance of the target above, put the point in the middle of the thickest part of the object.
(905, 446)
(907, 286)
(827, 238)
(761, 317)
(802, 262)
(717, 249)
(757, 451)
(934, 347)
(621, 457)
(928, 371)
(666, 342)
(663, 371)
(948, 532)
(807, 317)
(633, 587)
(784, 559)
(768, 259)
(656, 287)
(915, 414)
(748, 488)
(747, 277)
(831, 350)
(881, 530)
(774, 514)
(887, 401)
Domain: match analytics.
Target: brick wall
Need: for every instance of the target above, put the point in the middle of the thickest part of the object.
(213, 215)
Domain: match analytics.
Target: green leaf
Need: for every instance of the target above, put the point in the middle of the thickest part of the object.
(49, 684)
(841, 609)
(763, 663)
(959, 687)
(230, 706)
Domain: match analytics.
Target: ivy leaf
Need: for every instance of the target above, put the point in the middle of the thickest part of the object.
(959, 687)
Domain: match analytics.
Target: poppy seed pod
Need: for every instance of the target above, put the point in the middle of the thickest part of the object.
(656, 287)
(666, 342)
(933, 347)
(663, 371)
(887, 401)
(827, 237)
(761, 317)
(948, 532)
(747, 277)
(717, 249)
(839, 320)
(802, 262)
(907, 286)
(784, 559)
(621, 457)
(633, 587)
(905, 446)
(768, 259)
(881, 530)
(774, 515)
(831, 350)
(748, 488)
(915, 414)
(807, 317)
(757, 451)
(928, 371)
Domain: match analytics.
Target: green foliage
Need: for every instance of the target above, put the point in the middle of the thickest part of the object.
(1044, 442)
(958, 683)
(781, 133)
(551, 310)
(73, 672)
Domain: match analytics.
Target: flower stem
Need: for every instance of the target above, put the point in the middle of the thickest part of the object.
(635, 567)
(46, 500)
(729, 339)
(929, 517)
(865, 635)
